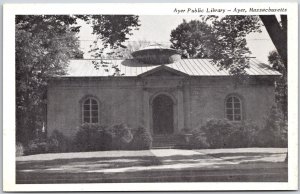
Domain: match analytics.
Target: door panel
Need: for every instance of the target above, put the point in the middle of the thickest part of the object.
(162, 114)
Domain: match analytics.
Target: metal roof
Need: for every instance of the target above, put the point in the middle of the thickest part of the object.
(131, 67)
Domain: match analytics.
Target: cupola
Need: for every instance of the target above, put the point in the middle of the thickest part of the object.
(156, 54)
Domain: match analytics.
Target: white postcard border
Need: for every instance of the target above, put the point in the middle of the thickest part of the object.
(9, 168)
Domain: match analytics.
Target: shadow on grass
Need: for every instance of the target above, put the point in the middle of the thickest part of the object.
(129, 163)
(151, 168)
(96, 163)
(248, 157)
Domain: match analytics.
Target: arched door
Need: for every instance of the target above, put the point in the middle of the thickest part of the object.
(162, 114)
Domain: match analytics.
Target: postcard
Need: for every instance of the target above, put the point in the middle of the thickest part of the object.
(150, 97)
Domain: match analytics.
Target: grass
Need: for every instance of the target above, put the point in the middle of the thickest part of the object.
(167, 165)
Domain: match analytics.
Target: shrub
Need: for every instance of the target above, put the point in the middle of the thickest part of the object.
(19, 149)
(274, 132)
(36, 146)
(92, 137)
(198, 140)
(221, 133)
(189, 140)
(244, 134)
(186, 131)
(142, 139)
(217, 132)
(58, 142)
(121, 136)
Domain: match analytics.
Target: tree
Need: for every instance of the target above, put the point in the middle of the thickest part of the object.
(274, 132)
(231, 32)
(278, 59)
(281, 84)
(278, 33)
(44, 45)
(221, 38)
(194, 39)
(125, 53)
(112, 31)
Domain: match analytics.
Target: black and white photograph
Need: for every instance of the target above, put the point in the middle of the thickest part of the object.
(195, 94)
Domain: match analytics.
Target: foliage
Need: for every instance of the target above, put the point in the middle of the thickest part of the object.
(44, 45)
(111, 31)
(92, 137)
(121, 136)
(281, 83)
(221, 38)
(19, 149)
(125, 53)
(198, 140)
(221, 133)
(142, 139)
(116, 137)
(278, 34)
(58, 142)
(217, 132)
(274, 133)
(186, 131)
(36, 146)
(244, 134)
(194, 39)
(276, 62)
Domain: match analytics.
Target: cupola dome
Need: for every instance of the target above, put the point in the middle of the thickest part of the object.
(156, 54)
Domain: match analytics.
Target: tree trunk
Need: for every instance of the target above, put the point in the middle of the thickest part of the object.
(277, 33)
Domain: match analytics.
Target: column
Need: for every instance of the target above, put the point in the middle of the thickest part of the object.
(180, 109)
(146, 109)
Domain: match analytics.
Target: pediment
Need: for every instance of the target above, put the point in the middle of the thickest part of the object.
(163, 71)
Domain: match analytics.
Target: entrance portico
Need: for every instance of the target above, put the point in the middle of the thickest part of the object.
(163, 108)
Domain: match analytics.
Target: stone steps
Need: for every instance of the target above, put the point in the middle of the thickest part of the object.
(166, 141)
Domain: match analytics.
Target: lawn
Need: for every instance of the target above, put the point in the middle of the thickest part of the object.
(159, 165)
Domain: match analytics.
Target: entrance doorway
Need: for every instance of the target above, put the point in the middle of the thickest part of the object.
(162, 114)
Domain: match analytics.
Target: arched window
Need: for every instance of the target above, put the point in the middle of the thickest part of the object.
(90, 111)
(233, 108)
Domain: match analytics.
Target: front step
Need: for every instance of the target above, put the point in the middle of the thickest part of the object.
(166, 141)
(164, 147)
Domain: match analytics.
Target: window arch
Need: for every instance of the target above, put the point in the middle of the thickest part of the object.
(233, 108)
(90, 110)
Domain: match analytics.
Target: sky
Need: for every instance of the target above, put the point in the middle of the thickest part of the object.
(158, 29)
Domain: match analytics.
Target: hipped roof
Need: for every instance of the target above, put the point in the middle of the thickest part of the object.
(132, 68)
